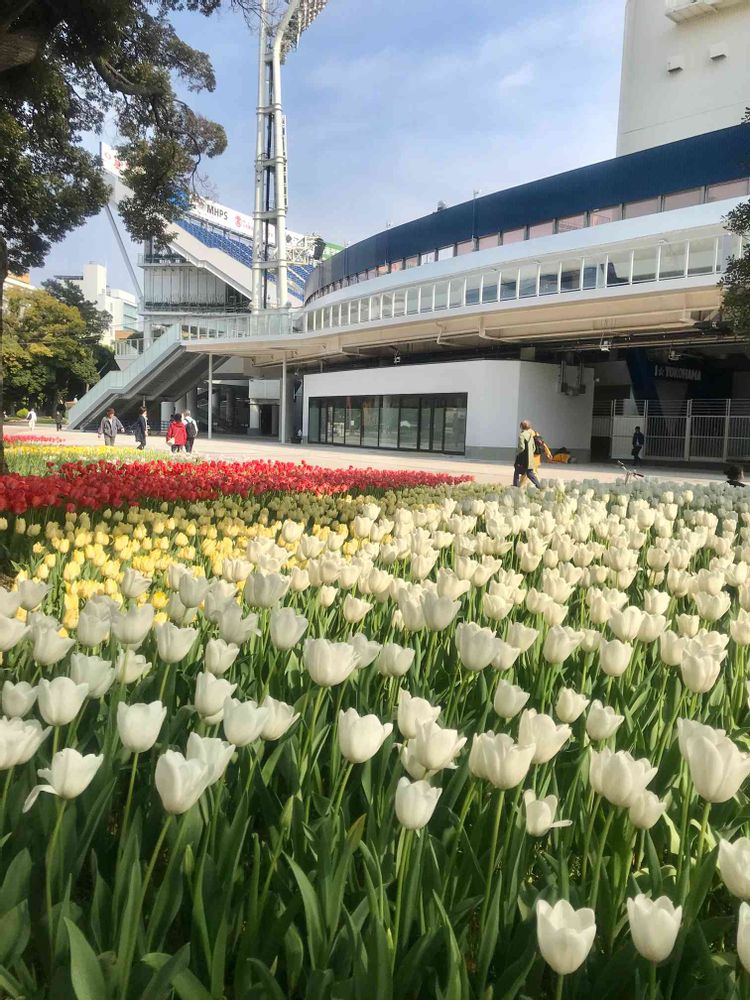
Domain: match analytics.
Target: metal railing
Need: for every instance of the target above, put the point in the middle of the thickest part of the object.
(268, 323)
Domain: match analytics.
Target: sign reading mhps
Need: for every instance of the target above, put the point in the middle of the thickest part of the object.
(677, 373)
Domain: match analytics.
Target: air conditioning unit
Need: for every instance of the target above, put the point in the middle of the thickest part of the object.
(683, 10)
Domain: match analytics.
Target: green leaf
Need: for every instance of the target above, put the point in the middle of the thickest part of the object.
(700, 883)
(166, 975)
(313, 916)
(15, 929)
(186, 985)
(129, 925)
(379, 962)
(85, 971)
(219, 958)
(16, 882)
(270, 989)
(488, 941)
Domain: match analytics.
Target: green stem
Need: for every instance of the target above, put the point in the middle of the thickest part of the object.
(652, 987)
(491, 862)
(128, 802)
(559, 987)
(6, 786)
(342, 787)
(704, 828)
(48, 873)
(587, 837)
(599, 857)
(404, 850)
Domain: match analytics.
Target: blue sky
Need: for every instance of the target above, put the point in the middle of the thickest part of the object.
(393, 105)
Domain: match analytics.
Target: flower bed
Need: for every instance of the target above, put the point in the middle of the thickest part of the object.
(115, 483)
(488, 745)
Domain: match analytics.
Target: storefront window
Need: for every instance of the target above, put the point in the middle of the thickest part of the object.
(389, 422)
(408, 425)
(353, 429)
(370, 420)
(313, 423)
(702, 259)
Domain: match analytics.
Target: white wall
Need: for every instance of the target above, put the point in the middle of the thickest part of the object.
(500, 394)
(657, 106)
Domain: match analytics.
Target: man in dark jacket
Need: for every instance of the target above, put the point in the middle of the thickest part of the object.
(140, 428)
(638, 442)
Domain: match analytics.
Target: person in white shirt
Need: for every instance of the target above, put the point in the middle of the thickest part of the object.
(192, 430)
(31, 419)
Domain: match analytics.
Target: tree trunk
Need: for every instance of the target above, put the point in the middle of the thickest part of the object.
(3, 276)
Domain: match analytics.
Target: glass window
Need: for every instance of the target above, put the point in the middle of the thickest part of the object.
(489, 286)
(644, 263)
(702, 256)
(396, 265)
(601, 216)
(509, 283)
(636, 209)
(455, 427)
(382, 269)
(446, 252)
(593, 272)
(571, 222)
(412, 301)
(457, 293)
(370, 420)
(683, 199)
(528, 277)
(389, 422)
(353, 429)
(438, 425)
(425, 298)
(441, 295)
(364, 310)
(549, 277)
(466, 247)
(335, 315)
(411, 262)
(372, 273)
(730, 189)
(425, 424)
(514, 236)
(375, 307)
(408, 427)
(541, 229)
(473, 284)
(570, 276)
(387, 305)
(339, 421)
(618, 268)
(399, 303)
(427, 258)
(673, 260)
(362, 276)
(485, 242)
(353, 312)
(313, 423)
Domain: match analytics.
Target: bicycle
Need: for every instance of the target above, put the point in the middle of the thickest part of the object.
(630, 473)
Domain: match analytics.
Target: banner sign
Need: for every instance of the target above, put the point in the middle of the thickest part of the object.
(677, 373)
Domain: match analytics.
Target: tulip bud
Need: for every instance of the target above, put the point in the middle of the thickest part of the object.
(18, 699)
(12, 631)
(139, 724)
(415, 803)
(564, 935)
(286, 627)
(394, 660)
(614, 657)
(219, 656)
(243, 721)
(180, 782)
(743, 936)
(210, 696)
(60, 700)
(542, 731)
(654, 925)
(646, 810)
(280, 718)
(540, 814)
(413, 711)
(212, 752)
(734, 865)
(602, 721)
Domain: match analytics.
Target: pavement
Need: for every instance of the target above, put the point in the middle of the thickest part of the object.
(242, 449)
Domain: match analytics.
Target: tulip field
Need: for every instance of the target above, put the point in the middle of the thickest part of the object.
(284, 732)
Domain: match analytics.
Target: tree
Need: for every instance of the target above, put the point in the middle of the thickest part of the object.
(96, 320)
(47, 353)
(736, 280)
(65, 67)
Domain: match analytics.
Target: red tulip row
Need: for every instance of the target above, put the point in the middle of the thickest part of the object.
(114, 484)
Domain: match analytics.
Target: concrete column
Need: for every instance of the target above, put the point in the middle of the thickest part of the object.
(283, 402)
(191, 401)
(229, 396)
(253, 424)
(180, 404)
(210, 396)
(167, 409)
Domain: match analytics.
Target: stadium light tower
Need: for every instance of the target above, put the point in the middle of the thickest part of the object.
(278, 35)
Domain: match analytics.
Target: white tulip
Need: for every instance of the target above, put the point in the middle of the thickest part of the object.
(19, 741)
(180, 782)
(700, 671)
(327, 595)
(69, 775)
(354, 609)
(243, 721)
(688, 625)
(652, 626)
(654, 926)
(60, 700)
(656, 602)
(497, 759)
(178, 612)
(328, 663)
(138, 725)
(434, 747)
(211, 694)
(413, 711)
(366, 650)
(671, 648)
(505, 655)
(133, 584)
(361, 736)
(565, 935)
(94, 624)
(543, 732)
(281, 717)
(131, 627)
(734, 866)
(94, 671)
(619, 777)
(739, 628)
(264, 590)
(415, 803)
(716, 766)
(49, 647)
(394, 660)
(130, 666)
(570, 705)
(174, 643)
(18, 699)
(646, 810)
(509, 699)
(212, 752)
(602, 721)
(614, 657)
(438, 612)
(540, 814)
(219, 656)
(286, 628)
(476, 646)
(233, 628)
(12, 631)
(236, 570)
(32, 594)
(10, 602)
(626, 623)
(192, 590)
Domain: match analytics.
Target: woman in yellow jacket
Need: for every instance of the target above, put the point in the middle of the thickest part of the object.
(524, 465)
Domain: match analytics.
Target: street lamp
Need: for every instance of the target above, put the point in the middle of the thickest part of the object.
(276, 40)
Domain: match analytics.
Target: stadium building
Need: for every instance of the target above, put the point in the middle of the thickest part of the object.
(588, 301)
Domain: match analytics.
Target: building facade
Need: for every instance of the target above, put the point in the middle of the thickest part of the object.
(121, 305)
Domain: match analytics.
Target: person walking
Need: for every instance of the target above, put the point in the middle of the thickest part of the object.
(177, 433)
(110, 427)
(31, 419)
(638, 442)
(191, 429)
(140, 428)
(59, 414)
(523, 464)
